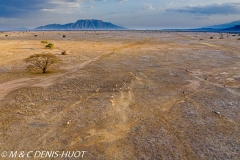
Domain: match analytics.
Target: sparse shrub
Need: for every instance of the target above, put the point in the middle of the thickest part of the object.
(44, 42)
(64, 36)
(211, 37)
(64, 53)
(238, 39)
(6, 35)
(221, 37)
(42, 61)
(35, 35)
(49, 45)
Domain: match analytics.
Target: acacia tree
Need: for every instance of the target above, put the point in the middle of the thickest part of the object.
(42, 61)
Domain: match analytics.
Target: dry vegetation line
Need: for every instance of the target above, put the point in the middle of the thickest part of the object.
(216, 84)
(48, 81)
(58, 117)
(203, 90)
(7, 87)
(188, 150)
(210, 45)
(119, 105)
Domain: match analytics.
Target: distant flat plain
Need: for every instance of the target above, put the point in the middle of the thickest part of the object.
(123, 94)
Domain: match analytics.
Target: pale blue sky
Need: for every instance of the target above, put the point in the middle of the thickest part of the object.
(133, 14)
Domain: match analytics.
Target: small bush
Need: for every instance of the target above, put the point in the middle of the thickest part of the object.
(211, 37)
(6, 35)
(44, 42)
(64, 36)
(238, 39)
(49, 45)
(221, 37)
(64, 53)
(35, 35)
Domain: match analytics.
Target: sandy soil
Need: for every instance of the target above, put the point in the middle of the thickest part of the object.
(123, 95)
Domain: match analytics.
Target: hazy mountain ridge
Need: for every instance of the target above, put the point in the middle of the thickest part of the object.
(227, 27)
(92, 24)
(81, 25)
(235, 28)
(224, 26)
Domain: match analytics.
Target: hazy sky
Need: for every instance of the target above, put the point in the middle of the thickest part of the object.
(134, 14)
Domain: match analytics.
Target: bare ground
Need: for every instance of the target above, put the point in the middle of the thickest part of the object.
(123, 95)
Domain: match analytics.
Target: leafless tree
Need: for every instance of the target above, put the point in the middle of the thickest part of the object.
(42, 61)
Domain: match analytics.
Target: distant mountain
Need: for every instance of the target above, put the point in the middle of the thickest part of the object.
(90, 24)
(223, 26)
(235, 28)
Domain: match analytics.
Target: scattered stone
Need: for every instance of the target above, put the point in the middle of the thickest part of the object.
(69, 122)
(217, 113)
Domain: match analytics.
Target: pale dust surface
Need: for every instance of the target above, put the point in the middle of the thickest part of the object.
(122, 94)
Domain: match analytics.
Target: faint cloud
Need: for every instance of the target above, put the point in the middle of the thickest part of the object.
(122, 0)
(66, 4)
(148, 7)
(49, 10)
(113, 12)
(202, 17)
(221, 9)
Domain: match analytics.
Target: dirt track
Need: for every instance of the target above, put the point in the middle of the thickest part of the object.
(119, 95)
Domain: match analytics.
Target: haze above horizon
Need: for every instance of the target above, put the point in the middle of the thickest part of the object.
(132, 14)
